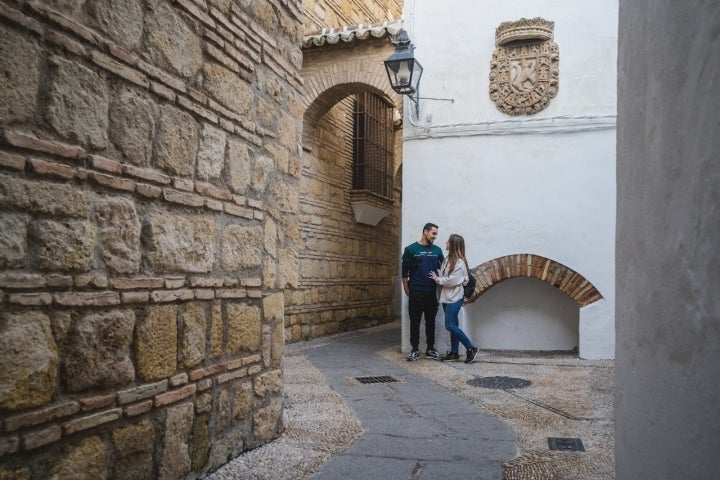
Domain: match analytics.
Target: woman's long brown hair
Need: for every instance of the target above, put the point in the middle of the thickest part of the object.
(456, 251)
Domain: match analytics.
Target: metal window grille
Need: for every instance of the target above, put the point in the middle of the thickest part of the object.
(372, 144)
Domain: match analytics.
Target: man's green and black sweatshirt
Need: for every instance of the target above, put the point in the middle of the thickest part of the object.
(417, 263)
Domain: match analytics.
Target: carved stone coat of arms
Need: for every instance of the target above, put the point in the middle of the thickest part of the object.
(524, 73)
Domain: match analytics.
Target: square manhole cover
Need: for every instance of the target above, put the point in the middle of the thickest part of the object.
(567, 444)
(377, 379)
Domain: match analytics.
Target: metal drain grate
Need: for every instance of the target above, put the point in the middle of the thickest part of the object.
(500, 383)
(567, 444)
(378, 379)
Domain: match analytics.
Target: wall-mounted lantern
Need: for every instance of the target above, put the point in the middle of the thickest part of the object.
(403, 70)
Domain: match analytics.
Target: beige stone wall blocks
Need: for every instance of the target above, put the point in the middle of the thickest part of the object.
(29, 364)
(149, 163)
(78, 102)
(20, 74)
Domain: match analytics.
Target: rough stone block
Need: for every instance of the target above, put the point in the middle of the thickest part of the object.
(263, 168)
(194, 339)
(211, 154)
(182, 243)
(44, 197)
(241, 247)
(267, 421)
(238, 165)
(242, 401)
(175, 458)
(119, 232)
(123, 24)
(268, 383)
(19, 74)
(216, 331)
(78, 101)
(11, 160)
(284, 196)
(134, 445)
(86, 459)
(288, 269)
(28, 360)
(223, 409)
(200, 442)
(228, 89)
(13, 245)
(156, 343)
(277, 349)
(171, 43)
(243, 328)
(63, 246)
(97, 354)
(132, 126)
(176, 142)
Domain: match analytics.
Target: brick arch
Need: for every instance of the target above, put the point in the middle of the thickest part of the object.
(556, 274)
(328, 84)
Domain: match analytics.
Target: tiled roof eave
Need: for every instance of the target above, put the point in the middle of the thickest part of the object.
(348, 34)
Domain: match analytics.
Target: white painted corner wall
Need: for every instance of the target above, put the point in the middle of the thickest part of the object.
(541, 184)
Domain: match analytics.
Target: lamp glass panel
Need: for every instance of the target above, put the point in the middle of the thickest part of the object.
(404, 73)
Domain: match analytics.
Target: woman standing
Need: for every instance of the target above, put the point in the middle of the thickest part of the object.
(453, 274)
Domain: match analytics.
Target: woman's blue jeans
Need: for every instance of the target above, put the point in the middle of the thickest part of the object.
(452, 310)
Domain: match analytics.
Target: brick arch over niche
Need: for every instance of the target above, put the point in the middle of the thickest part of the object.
(556, 274)
(328, 83)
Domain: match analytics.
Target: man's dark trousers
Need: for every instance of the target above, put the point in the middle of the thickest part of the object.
(420, 303)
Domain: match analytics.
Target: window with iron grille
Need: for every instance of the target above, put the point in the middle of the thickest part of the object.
(372, 144)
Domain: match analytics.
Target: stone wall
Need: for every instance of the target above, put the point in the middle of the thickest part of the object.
(149, 170)
(321, 14)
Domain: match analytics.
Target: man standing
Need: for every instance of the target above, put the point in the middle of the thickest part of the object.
(418, 260)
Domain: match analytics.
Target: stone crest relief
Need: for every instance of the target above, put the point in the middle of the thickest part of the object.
(524, 73)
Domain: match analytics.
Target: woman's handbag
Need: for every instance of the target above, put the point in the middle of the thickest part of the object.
(469, 286)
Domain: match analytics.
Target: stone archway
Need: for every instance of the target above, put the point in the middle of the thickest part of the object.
(347, 269)
(568, 281)
(341, 74)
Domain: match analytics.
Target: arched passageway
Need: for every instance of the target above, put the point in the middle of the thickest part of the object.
(347, 264)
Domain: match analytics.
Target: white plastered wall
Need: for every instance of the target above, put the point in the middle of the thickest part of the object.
(541, 184)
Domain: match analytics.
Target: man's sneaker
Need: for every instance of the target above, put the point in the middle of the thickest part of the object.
(412, 356)
(450, 357)
(471, 354)
(432, 354)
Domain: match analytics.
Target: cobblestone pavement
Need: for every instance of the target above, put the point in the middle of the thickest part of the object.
(567, 397)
